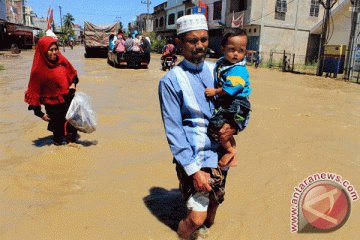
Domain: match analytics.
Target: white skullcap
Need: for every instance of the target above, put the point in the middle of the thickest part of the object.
(191, 22)
(50, 33)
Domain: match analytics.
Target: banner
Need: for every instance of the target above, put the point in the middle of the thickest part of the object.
(239, 22)
(47, 16)
(50, 20)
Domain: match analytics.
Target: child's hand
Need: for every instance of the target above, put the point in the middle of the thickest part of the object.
(210, 92)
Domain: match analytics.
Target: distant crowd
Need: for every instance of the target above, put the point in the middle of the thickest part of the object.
(135, 43)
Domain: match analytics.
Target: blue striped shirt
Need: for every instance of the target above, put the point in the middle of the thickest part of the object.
(186, 112)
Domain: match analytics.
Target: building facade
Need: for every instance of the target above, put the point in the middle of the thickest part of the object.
(273, 26)
(159, 17)
(144, 23)
(14, 11)
(28, 16)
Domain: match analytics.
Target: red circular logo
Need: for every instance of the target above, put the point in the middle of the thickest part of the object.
(325, 206)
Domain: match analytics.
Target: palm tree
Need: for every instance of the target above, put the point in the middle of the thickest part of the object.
(68, 23)
(68, 20)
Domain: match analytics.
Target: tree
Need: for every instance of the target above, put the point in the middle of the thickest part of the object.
(68, 20)
(67, 28)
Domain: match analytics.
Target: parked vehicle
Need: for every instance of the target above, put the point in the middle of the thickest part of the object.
(132, 59)
(97, 38)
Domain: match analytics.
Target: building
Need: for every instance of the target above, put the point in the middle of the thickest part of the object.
(40, 23)
(14, 11)
(159, 18)
(78, 31)
(166, 14)
(28, 16)
(132, 26)
(273, 26)
(144, 23)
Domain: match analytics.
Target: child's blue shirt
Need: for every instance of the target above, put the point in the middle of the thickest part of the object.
(233, 78)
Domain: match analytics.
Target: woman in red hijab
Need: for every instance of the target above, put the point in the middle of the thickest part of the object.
(52, 84)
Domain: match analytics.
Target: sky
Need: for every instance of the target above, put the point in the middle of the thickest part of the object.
(95, 11)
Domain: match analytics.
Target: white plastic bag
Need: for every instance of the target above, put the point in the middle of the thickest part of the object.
(80, 114)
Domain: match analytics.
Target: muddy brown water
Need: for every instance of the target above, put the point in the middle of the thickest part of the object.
(119, 182)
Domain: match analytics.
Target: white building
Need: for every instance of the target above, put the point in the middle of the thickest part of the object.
(28, 16)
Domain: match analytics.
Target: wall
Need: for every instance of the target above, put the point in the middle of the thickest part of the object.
(279, 39)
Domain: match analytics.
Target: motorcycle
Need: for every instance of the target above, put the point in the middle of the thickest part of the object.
(168, 63)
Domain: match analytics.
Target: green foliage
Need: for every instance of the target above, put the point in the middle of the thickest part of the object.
(268, 64)
(41, 34)
(157, 44)
(2, 68)
(68, 20)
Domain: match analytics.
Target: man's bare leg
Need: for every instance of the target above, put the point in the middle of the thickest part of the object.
(193, 221)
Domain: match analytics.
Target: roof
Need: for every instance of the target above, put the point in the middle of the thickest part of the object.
(2, 21)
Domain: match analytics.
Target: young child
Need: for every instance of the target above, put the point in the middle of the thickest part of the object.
(232, 102)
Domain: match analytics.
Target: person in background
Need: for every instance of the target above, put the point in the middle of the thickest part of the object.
(111, 42)
(120, 45)
(52, 83)
(257, 59)
(145, 45)
(134, 34)
(169, 50)
(137, 43)
(129, 43)
(120, 33)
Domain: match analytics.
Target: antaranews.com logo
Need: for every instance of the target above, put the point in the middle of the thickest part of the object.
(321, 203)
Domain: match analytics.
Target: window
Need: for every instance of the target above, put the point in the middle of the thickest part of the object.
(171, 19)
(249, 30)
(280, 16)
(188, 11)
(281, 6)
(314, 8)
(238, 5)
(254, 30)
(156, 23)
(180, 14)
(217, 10)
(161, 23)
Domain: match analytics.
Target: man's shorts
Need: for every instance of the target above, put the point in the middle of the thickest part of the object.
(197, 201)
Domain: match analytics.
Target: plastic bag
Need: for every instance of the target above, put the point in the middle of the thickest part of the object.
(80, 114)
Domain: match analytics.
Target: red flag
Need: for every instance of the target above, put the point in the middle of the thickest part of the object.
(50, 20)
(47, 16)
(239, 22)
(203, 5)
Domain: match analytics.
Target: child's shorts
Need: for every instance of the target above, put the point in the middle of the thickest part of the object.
(237, 115)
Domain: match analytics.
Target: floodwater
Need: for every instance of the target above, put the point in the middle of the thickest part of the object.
(119, 182)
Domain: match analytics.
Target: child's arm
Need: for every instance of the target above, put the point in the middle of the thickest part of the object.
(212, 92)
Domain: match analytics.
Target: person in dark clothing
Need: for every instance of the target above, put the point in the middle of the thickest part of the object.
(145, 46)
(53, 84)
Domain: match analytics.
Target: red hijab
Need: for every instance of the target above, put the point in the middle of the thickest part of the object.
(49, 81)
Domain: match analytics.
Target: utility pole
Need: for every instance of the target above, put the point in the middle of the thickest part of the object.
(350, 51)
(63, 42)
(328, 5)
(147, 2)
